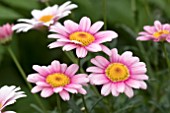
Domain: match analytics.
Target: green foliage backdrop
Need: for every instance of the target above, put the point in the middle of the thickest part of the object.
(126, 17)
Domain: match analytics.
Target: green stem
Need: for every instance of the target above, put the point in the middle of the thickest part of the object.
(47, 4)
(24, 76)
(19, 67)
(59, 104)
(105, 13)
(100, 99)
(166, 55)
(84, 103)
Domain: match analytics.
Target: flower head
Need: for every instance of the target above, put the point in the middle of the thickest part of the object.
(45, 17)
(118, 75)
(83, 36)
(8, 96)
(158, 32)
(58, 78)
(5, 33)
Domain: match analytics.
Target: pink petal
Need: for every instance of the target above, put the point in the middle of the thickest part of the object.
(96, 27)
(114, 90)
(72, 85)
(106, 50)
(93, 47)
(98, 79)
(71, 90)
(139, 64)
(105, 36)
(133, 83)
(138, 70)
(95, 62)
(71, 70)
(42, 84)
(106, 89)
(149, 29)
(56, 36)
(140, 77)
(36, 89)
(143, 85)
(129, 92)
(80, 79)
(69, 47)
(82, 91)
(46, 92)
(60, 29)
(64, 95)
(63, 68)
(58, 89)
(125, 57)
(103, 61)
(56, 66)
(71, 26)
(40, 70)
(95, 69)
(120, 87)
(34, 78)
(158, 25)
(132, 61)
(85, 24)
(56, 44)
(166, 27)
(81, 52)
(114, 56)
(143, 38)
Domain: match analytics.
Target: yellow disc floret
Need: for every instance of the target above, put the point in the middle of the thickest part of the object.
(83, 37)
(57, 79)
(117, 72)
(159, 33)
(46, 18)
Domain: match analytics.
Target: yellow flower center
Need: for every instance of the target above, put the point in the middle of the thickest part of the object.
(46, 18)
(57, 79)
(0, 105)
(83, 37)
(117, 72)
(159, 33)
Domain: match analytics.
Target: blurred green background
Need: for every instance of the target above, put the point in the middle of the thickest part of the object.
(126, 17)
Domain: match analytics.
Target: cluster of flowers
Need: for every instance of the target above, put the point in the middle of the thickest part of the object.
(119, 74)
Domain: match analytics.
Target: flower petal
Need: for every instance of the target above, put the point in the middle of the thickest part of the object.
(64, 95)
(71, 70)
(46, 92)
(81, 52)
(106, 89)
(96, 27)
(85, 24)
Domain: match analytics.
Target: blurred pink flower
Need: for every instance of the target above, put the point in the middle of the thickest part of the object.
(158, 32)
(119, 75)
(5, 33)
(44, 17)
(8, 96)
(58, 78)
(83, 36)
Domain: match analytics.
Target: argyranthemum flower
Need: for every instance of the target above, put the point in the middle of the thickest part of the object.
(5, 33)
(58, 78)
(158, 32)
(8, 96)
(118, 75)
(83, 36)
(44, 17)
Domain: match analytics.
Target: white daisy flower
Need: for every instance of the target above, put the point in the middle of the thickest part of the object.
(45, 17)
(8, 96)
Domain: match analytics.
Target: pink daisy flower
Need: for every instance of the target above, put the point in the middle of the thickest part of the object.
(45, 17)
(58, 78)
(8, 96)
(5, 33)
(118, 75)
(158, 32)
(83, 36)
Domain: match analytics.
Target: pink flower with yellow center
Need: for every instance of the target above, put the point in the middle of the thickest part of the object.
(58, 78)
(118, 75)
(158, 32)
(45, 17)
(83, 36)
(5, 33)
(8, 96)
